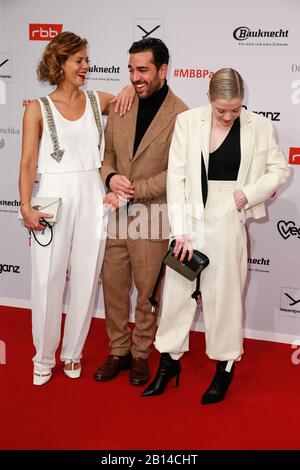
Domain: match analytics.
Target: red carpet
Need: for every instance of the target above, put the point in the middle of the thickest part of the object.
(261, 410)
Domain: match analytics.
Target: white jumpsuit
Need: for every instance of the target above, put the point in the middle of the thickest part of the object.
(78, 238)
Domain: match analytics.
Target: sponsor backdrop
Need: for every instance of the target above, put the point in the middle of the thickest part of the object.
(260, 39)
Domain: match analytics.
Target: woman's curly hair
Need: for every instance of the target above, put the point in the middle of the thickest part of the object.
(56, 53)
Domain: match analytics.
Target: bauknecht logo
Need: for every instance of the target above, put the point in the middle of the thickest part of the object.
(110, 69)
(243, 32)
(44, 32)
(109, 73)
(14, 203)
(9, 268)
(9, 130)
(288, 229)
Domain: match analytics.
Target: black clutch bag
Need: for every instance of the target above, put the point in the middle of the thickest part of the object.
(188, 269)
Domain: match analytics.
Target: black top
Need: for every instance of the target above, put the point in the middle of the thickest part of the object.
(224, 162)
(148, 108)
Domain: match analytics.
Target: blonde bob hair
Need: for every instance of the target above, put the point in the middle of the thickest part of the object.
(56, 53)
(226, 84)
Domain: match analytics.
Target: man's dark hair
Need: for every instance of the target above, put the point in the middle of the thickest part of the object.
(159, 50)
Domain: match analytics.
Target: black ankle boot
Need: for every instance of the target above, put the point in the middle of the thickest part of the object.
(219, 386)
(168, 369)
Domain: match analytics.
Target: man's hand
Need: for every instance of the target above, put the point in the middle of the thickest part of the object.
(113, 202)
(121, 186)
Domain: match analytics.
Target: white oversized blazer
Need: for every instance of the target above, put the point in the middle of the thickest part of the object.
(263, 168)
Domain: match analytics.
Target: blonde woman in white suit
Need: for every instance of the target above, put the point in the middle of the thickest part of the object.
(224, 163)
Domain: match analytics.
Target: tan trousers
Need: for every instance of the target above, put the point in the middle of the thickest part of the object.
(222, 283)
(126, 259)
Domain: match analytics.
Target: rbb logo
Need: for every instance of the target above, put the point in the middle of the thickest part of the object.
(44, 32)
(294, 156)
(192, 73)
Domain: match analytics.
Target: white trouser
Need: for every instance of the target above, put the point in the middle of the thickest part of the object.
(78, 246)
(224, 241)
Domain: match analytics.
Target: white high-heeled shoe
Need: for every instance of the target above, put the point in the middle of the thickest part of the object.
(41, 378)
(72, 373)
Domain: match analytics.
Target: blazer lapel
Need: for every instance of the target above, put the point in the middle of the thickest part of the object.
(247, 143)
(204, 131)
(160, 121)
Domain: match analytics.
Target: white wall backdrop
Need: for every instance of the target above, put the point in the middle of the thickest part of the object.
(259, 38)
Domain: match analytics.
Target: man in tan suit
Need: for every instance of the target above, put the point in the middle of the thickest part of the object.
(134, 169)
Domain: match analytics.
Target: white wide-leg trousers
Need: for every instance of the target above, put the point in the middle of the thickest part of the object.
(78, 246)
(222, 282)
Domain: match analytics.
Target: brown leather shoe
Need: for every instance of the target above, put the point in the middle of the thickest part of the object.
(113, 365)
(139, 372)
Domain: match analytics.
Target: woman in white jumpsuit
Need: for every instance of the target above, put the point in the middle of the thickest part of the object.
(63, 133)
(224, 163)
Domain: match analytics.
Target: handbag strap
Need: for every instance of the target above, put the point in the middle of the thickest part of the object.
(93, 101)
(195, 295)
(46, 225)
(197, 291)
(57, 152)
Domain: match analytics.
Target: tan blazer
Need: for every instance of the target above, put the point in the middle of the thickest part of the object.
(263, 168)
(147, 169)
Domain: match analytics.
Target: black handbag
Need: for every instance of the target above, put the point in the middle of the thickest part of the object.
(189, 269)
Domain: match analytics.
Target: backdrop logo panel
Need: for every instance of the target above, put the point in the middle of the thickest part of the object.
(9, 206)
(180, 72)
(145, 27)
(260, 265)
(288, 229)
(294, 156)
(273, 115)
(5, 67)
(10, 268)
(259, 37)
(44, 32)
(108, 72)
(290, 302)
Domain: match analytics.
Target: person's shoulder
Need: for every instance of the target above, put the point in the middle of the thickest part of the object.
(258, 120)
(179, 104)
(195, 113)
(33, 108)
